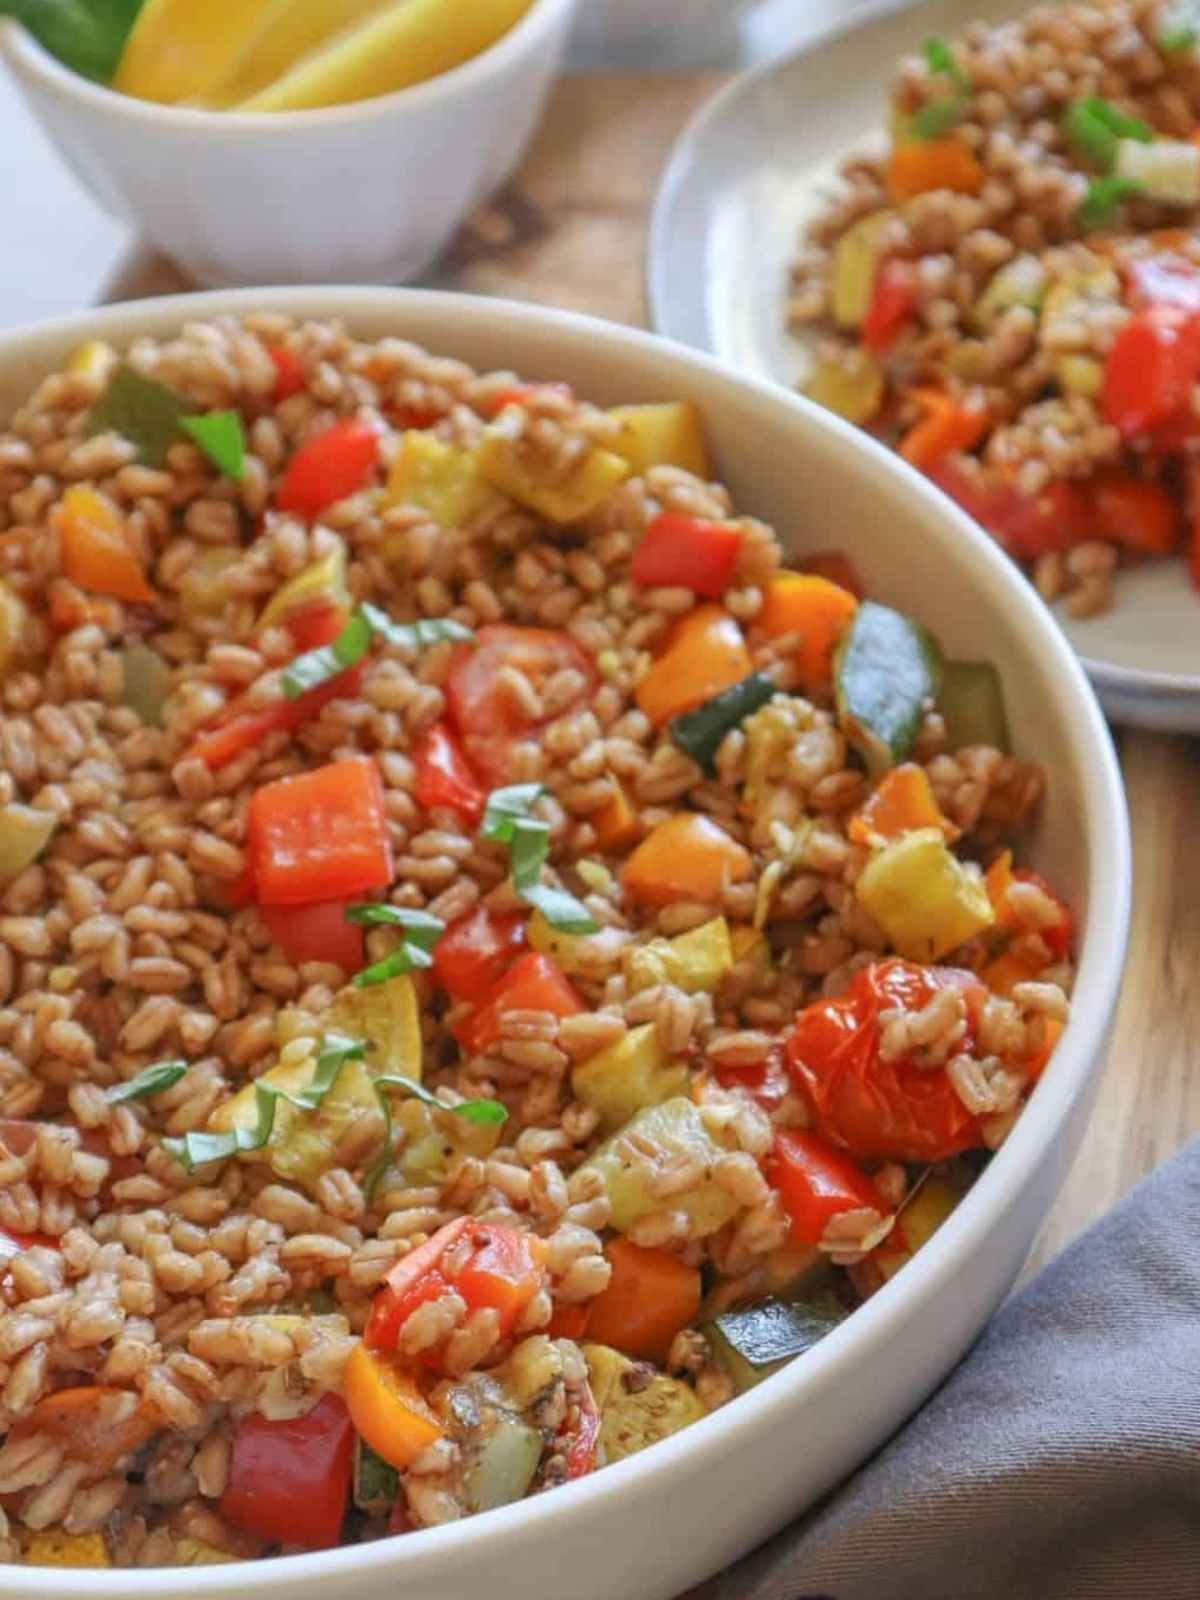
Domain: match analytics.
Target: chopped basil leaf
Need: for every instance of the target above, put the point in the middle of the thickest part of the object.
(1103, 197)
(699, 733)
(506, 820)
(421, 927)
(316, 667)
(940, 58)
(1095, 126)
(406, 958)
(86, 35)
(1177, 39)
(151, 1080)
(937, 117)
(219, 434)
(1113, 117)
(419, 635)
(196, 1149)
(482, 1112)
(140, 410)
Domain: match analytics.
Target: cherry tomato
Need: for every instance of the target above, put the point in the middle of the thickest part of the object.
(766, 1082)
(443, 777)
(882, 1110)
(487, 716)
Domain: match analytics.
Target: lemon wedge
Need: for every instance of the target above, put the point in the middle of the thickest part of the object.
(403, 44)
(305, 25)
(182, 51)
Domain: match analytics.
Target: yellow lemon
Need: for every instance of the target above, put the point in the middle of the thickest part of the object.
(303, 28)
(401, 45)
(181, 51)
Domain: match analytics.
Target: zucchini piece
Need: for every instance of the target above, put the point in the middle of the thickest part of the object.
(699, 733)
(887, 671)
(667, 1133)
(441, 479)
(140, 410)
(376, 1481)
(923, 897)
(856, 258)
(323, 580)
(589, 483)
(635, 1072)
(1019, 282)
(1167, 170)
(753, 1342)
(919, 1220)
(580, 955)
(146, 682)
(636, 1409)
(669, 434)
(25, 831)
(503, 1464)
(304, 1144)
(971, 702)
(695, 961)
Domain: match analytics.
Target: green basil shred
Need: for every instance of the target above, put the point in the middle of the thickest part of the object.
(197, 1149)
(420, 931)
(507, 820)
(151, 1080)
(699, 733)
(483, 1112)
(1103, 197)
(316, 667)
(937, 117)
(219, 434)
(1096, 126)
(941, 59)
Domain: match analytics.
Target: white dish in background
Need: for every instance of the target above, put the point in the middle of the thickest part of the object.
(746, 175)
(652, 1525)
(359, 193)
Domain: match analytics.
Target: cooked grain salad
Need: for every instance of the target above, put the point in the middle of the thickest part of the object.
(492, 962)
(1008, 291)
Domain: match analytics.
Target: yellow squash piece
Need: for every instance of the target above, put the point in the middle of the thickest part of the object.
(567, 499)
(13, 616)
(665, 435)
(751, 944)
(67, 1550)
(323, 580)
(204, 590)
(855, 260)
(439, 478)
(666, 1135)
(923, 897)
(405, 43)
(849, 384)
(635, 1414)
(695, 961)
(25, 832)
(633, 1073)
(183, 51)
(580, 955)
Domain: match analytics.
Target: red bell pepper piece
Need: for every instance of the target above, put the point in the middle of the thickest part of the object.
(321, 835)
(687, 552)
(475, 952)
(399, 1294)
(318, 932)
(1151, 368)
(1136, 513)
(290, 376)
(1027, 526)
(534, 983)
(289, 1481)
(816, 1183)
(243, 727)
(893, 301)
(443, 777)
(316, 624)
(329, 468)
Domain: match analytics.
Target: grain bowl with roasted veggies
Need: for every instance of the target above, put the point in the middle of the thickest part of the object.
(495, 959)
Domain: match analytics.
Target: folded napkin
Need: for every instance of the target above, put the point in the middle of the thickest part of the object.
(1060, 1460)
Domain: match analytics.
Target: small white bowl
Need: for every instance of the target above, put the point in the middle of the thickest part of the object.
(361, 193)
(650, 1526)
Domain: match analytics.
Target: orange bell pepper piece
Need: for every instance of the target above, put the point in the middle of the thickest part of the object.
(387, 1408)
(320, 835)
(807, 604)
(650, 1296)
(88, 1425)
(95, 547)
(615, 823)
(902, 802)
(948, 425)
(703, 654)
(687, 857)
(920, 165)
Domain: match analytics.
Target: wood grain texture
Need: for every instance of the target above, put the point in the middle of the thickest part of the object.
(570, 231)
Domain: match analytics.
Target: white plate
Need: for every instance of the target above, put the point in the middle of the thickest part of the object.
(743, 178)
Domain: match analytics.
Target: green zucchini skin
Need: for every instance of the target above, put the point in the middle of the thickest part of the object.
(972, 706)
(887, 674)
(754, 1341)
(699, 733)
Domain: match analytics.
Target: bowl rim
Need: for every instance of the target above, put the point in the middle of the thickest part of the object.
(1079, 1055)
(30, 59)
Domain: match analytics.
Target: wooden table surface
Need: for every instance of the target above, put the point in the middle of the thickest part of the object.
(570, 232)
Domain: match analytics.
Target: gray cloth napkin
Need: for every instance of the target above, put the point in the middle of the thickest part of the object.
(1059, 1461)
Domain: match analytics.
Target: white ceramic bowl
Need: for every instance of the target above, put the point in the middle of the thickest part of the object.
(650, 1526)
(361, 193)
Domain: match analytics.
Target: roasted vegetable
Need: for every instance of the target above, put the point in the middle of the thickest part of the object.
(699, 733)
(387, 1408)
(919, 1220)
(52, 1549)
(687, 857)
(580, 955)
(754, 1341)
(703, 654)
(559, 499)
(695, 961)
(902, 801)
(971, 701)
(25, 832)
(195, 1553)
(1167, 170)
(1019, 282)
(140, 410)
(322, 583)
(665, 1134)
(629, 1075)
(439, 478)
(635, 1414)
(813, 609)
(376, 1482)
(850, 384)
(856, 259)
(925, 900)
(96, 554)
(501, 1462)
(665, 435)
(651, 1296)
(147, 681)
(887, 670)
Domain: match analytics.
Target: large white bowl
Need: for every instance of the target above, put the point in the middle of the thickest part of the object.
(360, 193)
(649, 1527)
